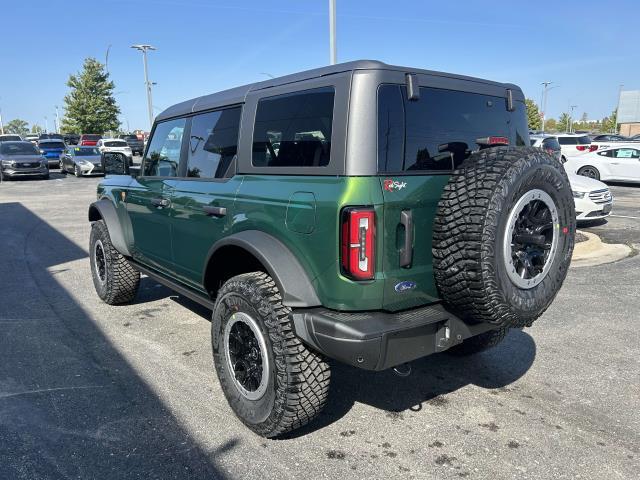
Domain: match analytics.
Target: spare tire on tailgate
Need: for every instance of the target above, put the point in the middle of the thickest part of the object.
(503, 236)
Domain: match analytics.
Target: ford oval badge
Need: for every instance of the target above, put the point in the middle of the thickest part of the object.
(404, 286)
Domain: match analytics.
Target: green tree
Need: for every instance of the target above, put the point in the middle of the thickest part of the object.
(35, 128)
(533, 115)
(610, 123)
(551, 125)
(563, 122)
(90, 105)
(17, 126)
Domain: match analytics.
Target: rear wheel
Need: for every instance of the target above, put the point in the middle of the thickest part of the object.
(272, 381)
(76, 171)
(503, 236)
(589, 171)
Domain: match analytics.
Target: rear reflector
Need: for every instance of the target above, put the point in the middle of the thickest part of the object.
(593, 148)
(492, 141)
(357, 248)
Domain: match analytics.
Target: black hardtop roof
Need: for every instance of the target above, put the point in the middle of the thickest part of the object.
(237, 95)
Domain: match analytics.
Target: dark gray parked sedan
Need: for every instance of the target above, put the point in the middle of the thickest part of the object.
(81, 161)
(22, 159)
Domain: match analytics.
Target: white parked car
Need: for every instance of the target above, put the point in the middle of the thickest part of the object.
(593, 198)
(574, 144)
(115, 145)
(614, 163)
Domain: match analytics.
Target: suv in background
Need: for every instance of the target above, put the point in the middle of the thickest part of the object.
(573, 145)
(364, 212)
(136, 144)
(10, 137)
(88, 140)
(71, 138)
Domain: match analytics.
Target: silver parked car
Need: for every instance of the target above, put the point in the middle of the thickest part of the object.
(22, 159)
(81, 161)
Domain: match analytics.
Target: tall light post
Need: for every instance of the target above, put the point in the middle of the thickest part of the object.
(57, 121)
(545, 88)
(571, 109)
(148, 84)
(333, 48)
(46, 124)
(618, 107)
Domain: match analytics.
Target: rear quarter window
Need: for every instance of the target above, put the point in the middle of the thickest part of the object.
(294, 130)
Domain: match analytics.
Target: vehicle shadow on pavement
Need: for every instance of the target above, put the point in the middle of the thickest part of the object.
(70, 405)
(431, 380)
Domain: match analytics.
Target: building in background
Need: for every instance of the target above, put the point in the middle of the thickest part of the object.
(629, 112)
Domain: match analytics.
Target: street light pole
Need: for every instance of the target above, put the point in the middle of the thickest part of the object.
(57, 121)
(333, 48)
(545, 88)
(571, 108)
(46, 124)
(148, 84)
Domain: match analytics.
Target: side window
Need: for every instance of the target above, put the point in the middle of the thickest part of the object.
(294, 130)
(606, 153)
(627, 153)
(163, 154)
(213, 143)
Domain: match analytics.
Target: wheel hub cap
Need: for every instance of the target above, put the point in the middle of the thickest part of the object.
(246, 353)
(531, 239)
(100, 261)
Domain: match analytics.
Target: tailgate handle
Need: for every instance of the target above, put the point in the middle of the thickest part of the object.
(215, 211)
(406, 252)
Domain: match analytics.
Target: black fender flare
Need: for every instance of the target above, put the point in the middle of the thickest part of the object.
(281, 264)
(104, 209)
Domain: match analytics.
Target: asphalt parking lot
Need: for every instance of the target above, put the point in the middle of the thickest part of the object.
(93, 391)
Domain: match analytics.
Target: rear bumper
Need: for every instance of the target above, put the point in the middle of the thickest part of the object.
(381, 340)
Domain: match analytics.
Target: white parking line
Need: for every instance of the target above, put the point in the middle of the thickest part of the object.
(624, 216)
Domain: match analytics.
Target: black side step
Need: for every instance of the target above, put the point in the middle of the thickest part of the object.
(176, 287)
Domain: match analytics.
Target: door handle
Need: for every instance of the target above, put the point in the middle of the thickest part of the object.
(406, 252)
(215, 211)
(160, 202)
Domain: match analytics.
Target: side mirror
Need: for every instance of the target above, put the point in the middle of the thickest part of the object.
(115, 163)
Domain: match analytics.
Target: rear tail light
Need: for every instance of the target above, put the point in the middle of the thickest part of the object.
(584, 148)
(357, 243)
(492, 141)
(593, 148)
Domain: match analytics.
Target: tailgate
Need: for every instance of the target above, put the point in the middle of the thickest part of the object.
(410, 203)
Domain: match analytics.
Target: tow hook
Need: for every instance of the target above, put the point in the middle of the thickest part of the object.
(403, 370)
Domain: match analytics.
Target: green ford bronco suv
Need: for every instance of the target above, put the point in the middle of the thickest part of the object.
(361, 212)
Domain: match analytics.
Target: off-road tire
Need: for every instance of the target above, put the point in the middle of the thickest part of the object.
(470, 228)
(298, 379)
(479, 343)
(121, 281)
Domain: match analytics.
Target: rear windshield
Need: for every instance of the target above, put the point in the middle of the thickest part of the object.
(438, 131)
(294, 130)
(115, 144)
(9, 138)
(22, 148)
(52, 145)
(86, 152)
(130, 137)
(574, 140)
(91, 137)
(551, 144)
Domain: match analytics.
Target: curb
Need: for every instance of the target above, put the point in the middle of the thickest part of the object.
(595, 252)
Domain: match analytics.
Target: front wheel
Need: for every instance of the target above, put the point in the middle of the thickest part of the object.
(272, 381)
(114, 279)
(76, 171)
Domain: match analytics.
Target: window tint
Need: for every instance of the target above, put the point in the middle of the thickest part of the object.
(213, 143)
(390, 129)
(584, 140)
(567, 140)
(440, 130)
(91, 137)
(44, 145)
(116, 144)
(294, 130)
(163, 153)
(22, 148)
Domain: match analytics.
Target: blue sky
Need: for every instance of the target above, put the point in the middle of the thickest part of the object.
(587, 48)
